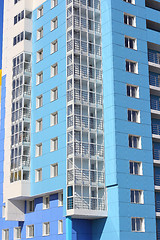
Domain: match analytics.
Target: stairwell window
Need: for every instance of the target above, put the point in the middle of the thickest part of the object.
(40, 55)
(40, 33)
(60, 227)
(54, 170)
(30, 231)
(130, 1)
(17, 233)
(40, 12)
(131, 66)
(130, 19)
(31, 206)
(137, 196)
(54, 144)
(54, 70)
(46, 204)
(54, 23)
(54, 94)
(39, 150)
(54, 46)
(39, 125)
(38, 175)
(5, 234)
(39, 78)
(135, 168)
(130, 43)
(133, 116)
(132, 91)
(134, 141)
(46, 229)
(54, 3)
(138, 224)
(54, 119)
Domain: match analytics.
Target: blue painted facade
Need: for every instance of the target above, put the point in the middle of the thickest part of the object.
(119, 181)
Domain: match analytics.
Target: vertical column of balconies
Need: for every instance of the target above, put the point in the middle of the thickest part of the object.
(85, 138)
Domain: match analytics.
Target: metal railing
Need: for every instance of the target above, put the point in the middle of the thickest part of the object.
(154, 79)
(157, 180)
(156, 129)
(155, 104)
(156, 154)
(153, 56)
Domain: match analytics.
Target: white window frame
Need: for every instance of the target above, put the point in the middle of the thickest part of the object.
(54, 144)
(5, 234)
(46, 229)
(45, 204)
(131, 92)
(30, 206)
(39, 101)
(128, 41)
(38, 149)
(38, 175)
(142, 224)
(54, 23)
(39, 78)
(134, 114)
(137, 168)
(130, 1)
(54, 119)
(39, 33)
(39, 125)
(54, 46)
(130, 17)
(138, 141)
(137, 195)
(60, 199)
(40, 12)
(17, 233)
(60, 226)
(54, 94)
(40, 55)
(54, 3)
(132, 66)
(53, 170)
(54, 70)
(28, 235)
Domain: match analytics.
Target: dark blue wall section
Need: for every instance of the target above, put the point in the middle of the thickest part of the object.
(81, 229)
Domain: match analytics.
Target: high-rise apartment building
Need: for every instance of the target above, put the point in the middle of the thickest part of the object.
(80, 120)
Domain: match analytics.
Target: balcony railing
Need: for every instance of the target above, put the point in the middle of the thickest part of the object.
(155, 104)
(153, 56)
(157, 206)
(154, 79)
(157, 180)
(156, 129)
(156, 154)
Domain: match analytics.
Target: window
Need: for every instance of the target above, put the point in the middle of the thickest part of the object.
(134, 141)
(54, 170)
(54, 144)
(131, 66)
(39, 101)
(46, 202)
(130, 1)
(39, 125)
(30, 231)
(137, 196)
(19, 17)
(38, 175)
(54, 3)
(39, 78)
(54, 23)
(60, 227)
(60, 199)
(138, 225)
(54, 70)
(40, 55)
(132, 91)
(135, 168)
(54, 46)
(31, 206)
(130, 43)
(46, 229)
(18, 38)
(129, 19)
(17, 233)
(133, 116)
(16, 1)
(40, 12)
(54, 119)
(54, 94)
(5, 234)
(39, 33)
(39, 150)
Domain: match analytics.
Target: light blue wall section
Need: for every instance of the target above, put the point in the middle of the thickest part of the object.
(49, 184)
